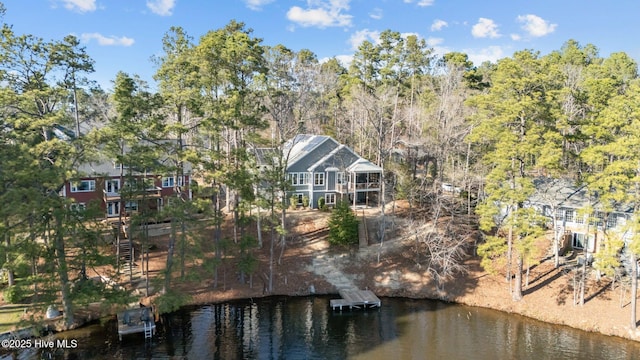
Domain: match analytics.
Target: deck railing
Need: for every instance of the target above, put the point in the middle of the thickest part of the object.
(154, 192)
(347, 187)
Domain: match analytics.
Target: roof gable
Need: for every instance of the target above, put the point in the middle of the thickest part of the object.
(308, 149)
(318, 152)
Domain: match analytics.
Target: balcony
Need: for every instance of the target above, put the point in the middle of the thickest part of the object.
(149, 193)
(363, 186)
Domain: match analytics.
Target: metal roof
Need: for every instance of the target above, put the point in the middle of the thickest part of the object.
(364, 165)
(303, 144)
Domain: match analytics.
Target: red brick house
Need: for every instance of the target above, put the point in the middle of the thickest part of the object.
(103, 184)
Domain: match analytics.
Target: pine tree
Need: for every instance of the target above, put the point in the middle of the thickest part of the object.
(514, 123)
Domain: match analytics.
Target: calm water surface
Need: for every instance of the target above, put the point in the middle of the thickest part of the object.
(306, 328)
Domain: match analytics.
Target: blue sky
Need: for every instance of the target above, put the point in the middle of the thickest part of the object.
(122, 35)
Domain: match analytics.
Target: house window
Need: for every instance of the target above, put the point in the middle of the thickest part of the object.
(612, 221)
(131, 206)
(131, 184)
(318, 179)
(299, 197)
(568, 215)
(374, 177)
(112, 186)
(559, 213)
(579, 240)
(78, 207)
(299, 178)
(83, 186)
(330, 199)
(169, 181)
(113, 208)
(621, 220)
(340, 178)
(598, 220)
(579, 219)
(145, 184)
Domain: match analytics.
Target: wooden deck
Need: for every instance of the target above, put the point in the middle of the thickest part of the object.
(137, 320)
(355, 299)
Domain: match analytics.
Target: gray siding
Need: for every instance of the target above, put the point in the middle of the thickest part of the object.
(331, 180)
(341, 160)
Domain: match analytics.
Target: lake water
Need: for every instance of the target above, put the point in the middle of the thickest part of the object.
(306, 328)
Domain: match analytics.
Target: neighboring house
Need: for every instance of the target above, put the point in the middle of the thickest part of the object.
(101, 182)
(560, 198)
(320, 167)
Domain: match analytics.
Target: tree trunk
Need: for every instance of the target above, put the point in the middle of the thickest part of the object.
(556, 240)
(183, 248)
(271, 250)
(217, 234)
(259, 227)
(509, 254)
(10, 274)
(170, 250)
(634, 288)
(583, 277)
(517, 291)
(146, 256)
(65, 286)
(283, 227)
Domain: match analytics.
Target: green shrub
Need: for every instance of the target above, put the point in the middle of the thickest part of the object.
(14, 294)
(321, 203)
(305, 201)
(343, 225)
(293, 202)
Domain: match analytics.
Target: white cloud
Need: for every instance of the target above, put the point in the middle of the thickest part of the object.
(407, 34)
(491, 54)
(424, 3)
(107, 40)
(360, 36)
(434, 41)
(515, 37)
(436, 44)
(344, 60)
(80, 5)
(161, 7)
(421, 3)
(321, 13)
(485, 28)
(376, 14)
(438, 25)
(257, 4)
(535, 25)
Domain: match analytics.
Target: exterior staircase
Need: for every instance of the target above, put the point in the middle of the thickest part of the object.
(126, 253)
(128, 260)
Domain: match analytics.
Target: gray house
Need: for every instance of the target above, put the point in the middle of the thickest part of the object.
(320, 167)
(563, 203)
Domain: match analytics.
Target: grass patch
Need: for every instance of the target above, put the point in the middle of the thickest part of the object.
(10, 316)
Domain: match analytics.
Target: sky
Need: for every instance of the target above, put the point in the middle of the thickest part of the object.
(124, 35)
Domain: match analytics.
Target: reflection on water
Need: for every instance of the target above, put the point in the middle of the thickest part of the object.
(306, 328)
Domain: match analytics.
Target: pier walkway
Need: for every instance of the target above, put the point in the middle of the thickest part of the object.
(355, 299)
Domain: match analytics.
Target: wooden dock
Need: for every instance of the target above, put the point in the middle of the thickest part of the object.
(136, 320)
(355, 299)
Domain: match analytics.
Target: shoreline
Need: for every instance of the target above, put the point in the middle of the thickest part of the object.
(311, 267)
(508, 308)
